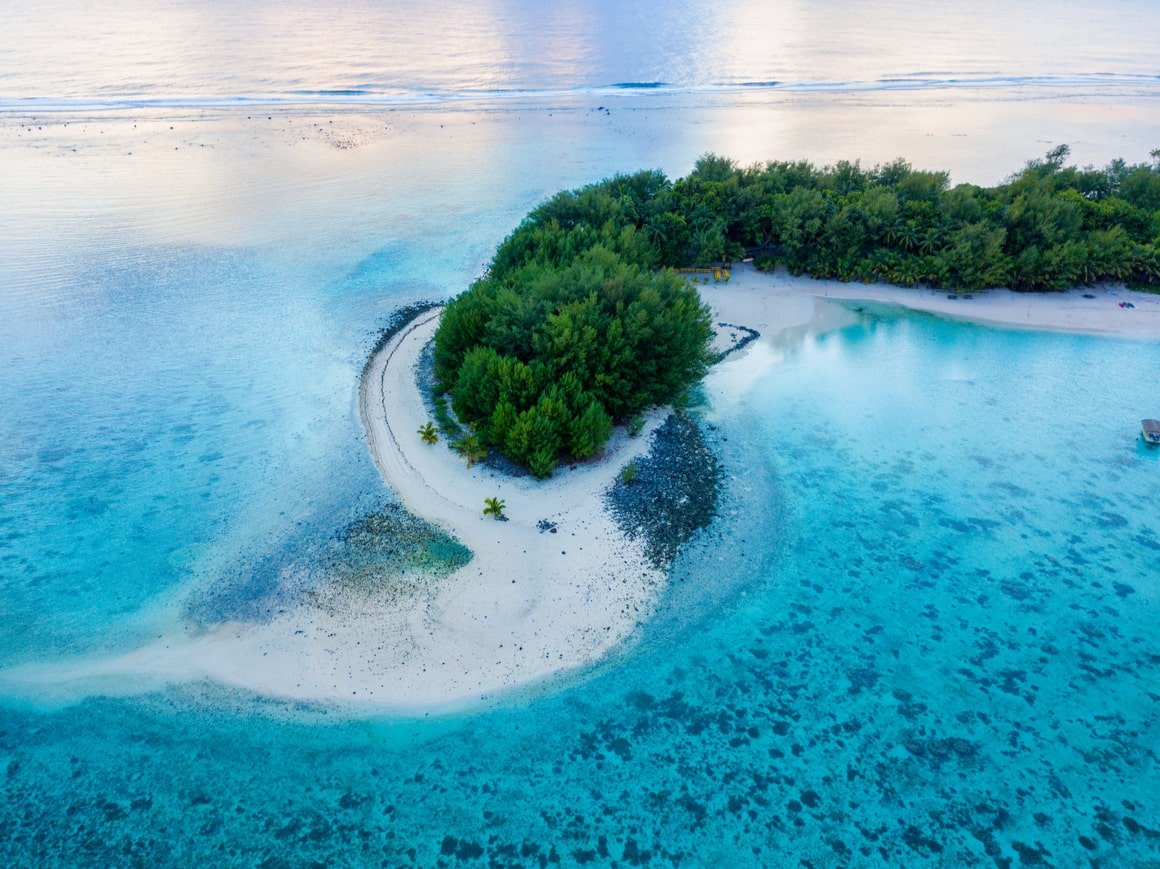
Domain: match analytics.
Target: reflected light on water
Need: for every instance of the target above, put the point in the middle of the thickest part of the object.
(70, 49)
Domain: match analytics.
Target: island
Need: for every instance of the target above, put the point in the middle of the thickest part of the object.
(584, 317)
(598, 313)
(533, 350)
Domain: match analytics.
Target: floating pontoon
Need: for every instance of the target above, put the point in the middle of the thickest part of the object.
(1151, 430)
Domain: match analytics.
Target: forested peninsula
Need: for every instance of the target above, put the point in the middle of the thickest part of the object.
(582, 322)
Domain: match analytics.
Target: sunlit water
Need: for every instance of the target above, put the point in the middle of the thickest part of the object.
(406, 51)
(922, 628)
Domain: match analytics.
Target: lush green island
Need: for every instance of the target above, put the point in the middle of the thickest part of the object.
(581, 321)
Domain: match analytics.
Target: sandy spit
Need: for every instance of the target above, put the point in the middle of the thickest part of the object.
(530, 605)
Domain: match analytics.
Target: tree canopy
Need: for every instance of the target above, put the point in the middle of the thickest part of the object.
(1049, 227)
(580, 320)
(541, 358)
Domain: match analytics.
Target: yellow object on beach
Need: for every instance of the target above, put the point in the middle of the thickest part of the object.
(718, 272)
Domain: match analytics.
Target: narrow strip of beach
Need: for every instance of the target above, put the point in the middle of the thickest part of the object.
(1091, 311)
(531, 604)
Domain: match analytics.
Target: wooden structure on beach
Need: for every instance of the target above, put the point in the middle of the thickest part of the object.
(718, 272)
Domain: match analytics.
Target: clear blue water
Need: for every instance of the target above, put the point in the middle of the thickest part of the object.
(922, 630)
(947, 653)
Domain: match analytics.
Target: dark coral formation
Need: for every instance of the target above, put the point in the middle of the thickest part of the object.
(674, 493)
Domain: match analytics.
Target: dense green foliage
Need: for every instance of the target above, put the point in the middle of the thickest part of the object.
(542, 355)
(1049, 227)
(580, 322)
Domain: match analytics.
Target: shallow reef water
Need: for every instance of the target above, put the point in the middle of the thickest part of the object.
(920, 628)
(669, 494)
(919, 631)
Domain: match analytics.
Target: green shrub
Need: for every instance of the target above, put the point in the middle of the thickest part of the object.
(628, 472)
(563, 350)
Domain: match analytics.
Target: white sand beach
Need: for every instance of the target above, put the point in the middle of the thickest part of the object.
(530, 604)
(762, 301)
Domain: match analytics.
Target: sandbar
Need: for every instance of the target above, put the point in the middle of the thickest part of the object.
(531, 605)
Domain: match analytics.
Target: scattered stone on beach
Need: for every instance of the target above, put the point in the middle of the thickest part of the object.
(739, 337)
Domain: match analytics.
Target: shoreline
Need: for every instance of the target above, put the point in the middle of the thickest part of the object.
(1066, 311)
(531, 605)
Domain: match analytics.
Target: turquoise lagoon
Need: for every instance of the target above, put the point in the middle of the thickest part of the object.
(922, 629)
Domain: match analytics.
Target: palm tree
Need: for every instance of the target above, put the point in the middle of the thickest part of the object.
(493, 507)
(908, 271)
(428, 433)
(908, 235)
(656, 233)
(473, 450)
(1145, 264)
(930, 240)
